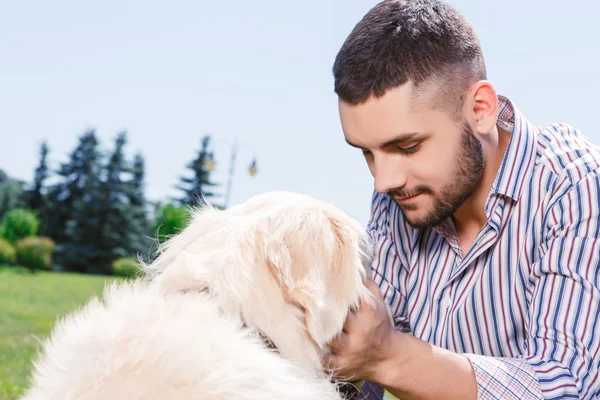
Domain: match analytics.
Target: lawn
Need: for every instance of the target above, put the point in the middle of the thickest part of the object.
(29, 305)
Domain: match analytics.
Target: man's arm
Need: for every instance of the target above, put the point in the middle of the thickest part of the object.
(418, 370)
(407, 367)
(560, 356)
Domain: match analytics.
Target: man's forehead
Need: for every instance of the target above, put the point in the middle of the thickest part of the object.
(398, 106)
(405, 99)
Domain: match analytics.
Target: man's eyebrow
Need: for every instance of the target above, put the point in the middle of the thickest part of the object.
(353, 145)
(403, 137)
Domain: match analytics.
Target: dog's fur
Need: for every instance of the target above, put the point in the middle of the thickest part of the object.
(286, 266)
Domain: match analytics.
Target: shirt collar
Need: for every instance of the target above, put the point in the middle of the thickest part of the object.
(519, 158)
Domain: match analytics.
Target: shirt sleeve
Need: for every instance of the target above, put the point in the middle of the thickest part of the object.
(561, 355)
(388, 273)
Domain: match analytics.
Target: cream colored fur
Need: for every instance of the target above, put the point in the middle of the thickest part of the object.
(287, 265)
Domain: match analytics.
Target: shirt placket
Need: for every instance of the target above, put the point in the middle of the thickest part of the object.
(484, 240)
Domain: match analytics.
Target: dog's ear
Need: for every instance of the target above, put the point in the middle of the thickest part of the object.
(343, 281)
(319, 267)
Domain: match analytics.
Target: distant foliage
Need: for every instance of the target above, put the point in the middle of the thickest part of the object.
(198, 187)
(34, 196)
(19, 223)
(96, 210)
(35, 252)
(90, 210)
(170, 220)
(126, 267)
(8, 254)
(11, 193)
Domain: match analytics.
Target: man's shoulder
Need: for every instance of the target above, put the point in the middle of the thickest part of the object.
(567, 153)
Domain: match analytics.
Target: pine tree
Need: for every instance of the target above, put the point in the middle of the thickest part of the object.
(140, 224)
(198, 187)
(114, 208)
(124, 218)
(35, 196)
(71, 214)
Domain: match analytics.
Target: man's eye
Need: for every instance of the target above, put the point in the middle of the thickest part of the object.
(410, 149)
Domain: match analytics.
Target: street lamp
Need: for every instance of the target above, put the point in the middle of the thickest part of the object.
(210, 163)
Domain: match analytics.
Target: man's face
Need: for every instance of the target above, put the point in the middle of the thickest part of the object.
(427, 161)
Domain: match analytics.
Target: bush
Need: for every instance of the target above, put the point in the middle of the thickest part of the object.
(19, 223)
(170, 221)
(8, 254)
(35, 252)
(127, 267)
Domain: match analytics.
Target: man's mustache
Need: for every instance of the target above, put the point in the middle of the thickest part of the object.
(402, 193)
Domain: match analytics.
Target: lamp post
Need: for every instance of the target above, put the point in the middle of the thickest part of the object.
(210, 164)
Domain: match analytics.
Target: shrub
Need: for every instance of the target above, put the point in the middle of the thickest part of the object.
(170, 220)
(127, 267)
(8, 254)
(35, 252)
(19, 223)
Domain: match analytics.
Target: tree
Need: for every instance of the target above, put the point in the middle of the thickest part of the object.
(198, 187)
(138, 205)
(124, 219)
(96, 212)
(113, 208)
(11, 193)
(35, 196)
(71, 214)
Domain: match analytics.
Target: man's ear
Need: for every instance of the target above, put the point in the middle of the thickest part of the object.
(484, 107)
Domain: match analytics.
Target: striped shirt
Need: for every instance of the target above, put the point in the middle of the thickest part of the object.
(523, 304)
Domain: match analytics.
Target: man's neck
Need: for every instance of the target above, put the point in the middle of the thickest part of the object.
(470, 217)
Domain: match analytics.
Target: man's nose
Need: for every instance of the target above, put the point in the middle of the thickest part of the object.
(388, 175)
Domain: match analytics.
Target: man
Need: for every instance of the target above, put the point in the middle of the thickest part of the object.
(486, 228)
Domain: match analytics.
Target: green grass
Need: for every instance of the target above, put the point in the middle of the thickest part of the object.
(29, 306)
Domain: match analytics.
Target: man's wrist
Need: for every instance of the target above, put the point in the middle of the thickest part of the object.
(388, 367)
(413, 368)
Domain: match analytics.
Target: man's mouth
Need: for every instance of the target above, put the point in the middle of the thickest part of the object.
(407, 198)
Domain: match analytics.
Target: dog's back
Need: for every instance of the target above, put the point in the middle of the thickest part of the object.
(139, 343)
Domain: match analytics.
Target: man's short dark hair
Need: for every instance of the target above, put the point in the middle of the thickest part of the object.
(421, 41)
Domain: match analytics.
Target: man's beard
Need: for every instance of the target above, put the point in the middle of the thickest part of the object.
(468, 173)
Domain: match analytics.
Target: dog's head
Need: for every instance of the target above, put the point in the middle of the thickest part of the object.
(288, 265)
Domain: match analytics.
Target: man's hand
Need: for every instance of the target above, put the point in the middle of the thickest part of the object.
(364, 342)
(369, 348)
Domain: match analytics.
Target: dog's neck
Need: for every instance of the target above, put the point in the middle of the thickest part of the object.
(346, 389)
(266, 340)
(253, 331)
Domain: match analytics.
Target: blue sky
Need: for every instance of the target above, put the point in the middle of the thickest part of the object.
(258, 71)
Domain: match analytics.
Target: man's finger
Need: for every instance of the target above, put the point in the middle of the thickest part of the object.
(334, 365)
(339, 342)
(328, 362)
(350, 321)
(373, 288)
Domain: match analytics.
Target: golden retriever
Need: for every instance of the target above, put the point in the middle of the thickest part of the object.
(239, 305)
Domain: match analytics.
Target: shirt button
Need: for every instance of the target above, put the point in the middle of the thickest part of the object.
(447, 302)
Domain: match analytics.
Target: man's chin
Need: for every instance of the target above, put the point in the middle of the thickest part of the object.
(413, 216)
(420, 220)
